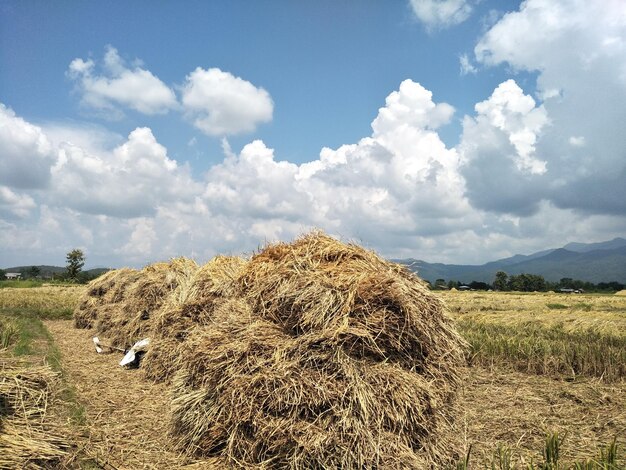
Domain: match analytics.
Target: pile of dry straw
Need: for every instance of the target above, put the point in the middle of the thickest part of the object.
(26, 438)
(310, 354)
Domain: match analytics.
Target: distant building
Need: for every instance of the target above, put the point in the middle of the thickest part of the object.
(12, 276)
(464, 287)
(566, 291)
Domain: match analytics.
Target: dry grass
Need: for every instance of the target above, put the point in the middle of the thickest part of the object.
(501, 411)
(122, 304)
(108, 289)
(554, 334)
(575, 312)
(515, 411)
(191, 305)
(26, 437)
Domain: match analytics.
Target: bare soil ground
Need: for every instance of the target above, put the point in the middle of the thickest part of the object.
(127, 416)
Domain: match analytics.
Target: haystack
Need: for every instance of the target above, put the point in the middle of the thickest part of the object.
(122, 304)
(108, 289)
(331, 358)
(621, 292)
(190, 305)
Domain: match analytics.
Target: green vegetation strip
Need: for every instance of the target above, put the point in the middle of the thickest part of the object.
(23, 334)
(535, 348)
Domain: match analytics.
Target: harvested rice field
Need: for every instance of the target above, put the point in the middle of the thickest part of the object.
(318, 354)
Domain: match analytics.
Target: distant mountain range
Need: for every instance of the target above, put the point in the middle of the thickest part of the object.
(593, 262)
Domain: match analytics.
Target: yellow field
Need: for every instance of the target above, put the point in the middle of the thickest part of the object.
(51, 300)
(573, 311)
(566, 335)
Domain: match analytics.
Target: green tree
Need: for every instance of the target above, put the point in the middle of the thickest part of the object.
(440, 284)
(479, 285)
(527, 283)
(501, 281)
(75, 262)
(33, 272)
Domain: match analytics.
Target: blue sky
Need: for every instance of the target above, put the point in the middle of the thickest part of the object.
(143, 130)
(327, 65)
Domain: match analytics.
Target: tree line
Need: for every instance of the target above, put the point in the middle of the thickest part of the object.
(530, 283)
(75, 260)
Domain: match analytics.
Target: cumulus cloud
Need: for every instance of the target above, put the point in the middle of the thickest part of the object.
(119, 86)
(141, 240)
(399, 190)
(578, 50)
(396, 186)
(441, 13)
(399, 183)
(513, 113)
(130, 181)
(411, 106)
(220, 103)
(498, 152)
(26, 154)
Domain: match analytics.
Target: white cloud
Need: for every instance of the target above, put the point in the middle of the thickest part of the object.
(26, 154)
(501, 171)
(389, 189)
(130, 181)
(397, 184)
(399, 190)
(11, 203)
(120, 86)
(220, 103)
(578, 50)
(141, 240)
(512, 112)
(412, 106)
(441, 13)
(466, 65)
(577, 141)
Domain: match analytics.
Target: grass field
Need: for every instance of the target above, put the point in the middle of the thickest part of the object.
(545, 377)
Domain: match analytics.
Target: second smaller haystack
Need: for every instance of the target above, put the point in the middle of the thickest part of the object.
(191, 304)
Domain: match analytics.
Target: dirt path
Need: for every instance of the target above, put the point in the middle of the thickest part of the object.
(127, 416)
